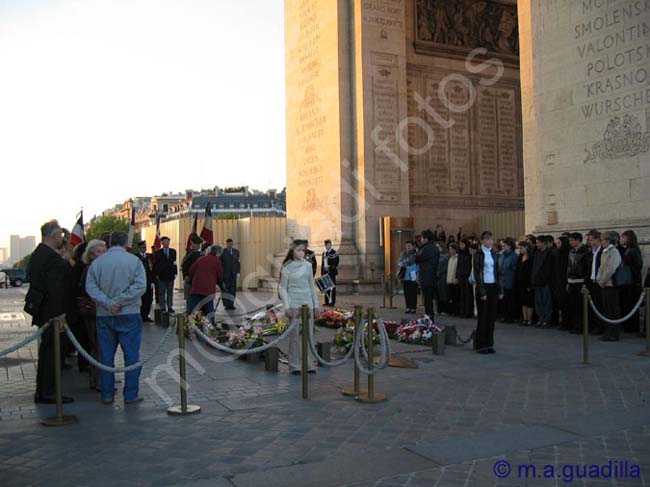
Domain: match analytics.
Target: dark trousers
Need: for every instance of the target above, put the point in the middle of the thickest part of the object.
(629, 296)
(428, 291)
(229, 292)
(147, 299)
(595, 291)
(453, 296)
(508, 303)
(410, 294)
(202, 303)
(465, 298)
(575, 307)
(166, 295)
(612, 310)
(330, 296)
(487, 314)
(45, 385)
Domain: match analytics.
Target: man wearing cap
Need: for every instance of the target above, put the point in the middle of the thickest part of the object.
(164, 268)
(147, 297)
(329, 265)
(192, 256)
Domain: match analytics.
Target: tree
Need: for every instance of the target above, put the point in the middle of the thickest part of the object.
(22, 263)
(105, 224)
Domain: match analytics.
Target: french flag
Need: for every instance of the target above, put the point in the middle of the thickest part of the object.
(192, 233)
(157, 243)
(77, 236)
(206, 233)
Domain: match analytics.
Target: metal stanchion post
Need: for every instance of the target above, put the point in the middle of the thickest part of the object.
(646, 352)
(59, 419)
(184, 408)
(356, 390)
(585, 325)
(371, 395)
(304, 314)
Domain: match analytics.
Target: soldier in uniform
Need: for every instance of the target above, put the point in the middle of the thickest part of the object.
(310, 257)
(147, 297)
(189, 259)
(329, 265)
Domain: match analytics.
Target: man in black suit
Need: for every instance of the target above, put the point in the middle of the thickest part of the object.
(45, 300)
(231, 269)
(147, 297)
(190, 258)
(427, 260)
(310, 257)
(164, 269)
(329, 266)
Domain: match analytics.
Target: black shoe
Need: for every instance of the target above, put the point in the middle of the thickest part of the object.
(491, 350)
(295, 372)
(171, 311)
(147, 320)
(312, 371)
(52, 399)
(484, 351)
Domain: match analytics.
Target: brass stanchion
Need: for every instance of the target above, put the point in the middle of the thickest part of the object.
(59, 419)
(184, 408)
(371, 395)
(304, 314)
(356, 390)
(646, 352)
(585, 325)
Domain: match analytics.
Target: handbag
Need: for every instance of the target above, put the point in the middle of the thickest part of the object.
(622, 276)
(402, 273)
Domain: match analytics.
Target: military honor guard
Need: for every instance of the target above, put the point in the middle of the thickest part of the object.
(329, 266)
(231, 269)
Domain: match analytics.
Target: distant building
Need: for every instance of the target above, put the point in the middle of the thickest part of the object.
(241, 202)
(19, 247)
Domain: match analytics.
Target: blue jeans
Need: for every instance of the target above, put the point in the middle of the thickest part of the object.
(127, 331)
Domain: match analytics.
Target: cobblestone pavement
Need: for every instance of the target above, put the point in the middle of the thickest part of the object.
(446, 423)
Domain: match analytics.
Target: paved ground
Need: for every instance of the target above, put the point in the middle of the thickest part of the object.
(446, 423)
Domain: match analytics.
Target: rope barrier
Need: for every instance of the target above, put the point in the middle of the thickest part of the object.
(620, 320)
(255, 310)
(106, 368)
(321, 360)
(384, 354)
(26, 341)
(241, 351)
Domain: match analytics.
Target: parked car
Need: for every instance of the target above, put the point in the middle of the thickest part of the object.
(16, 276)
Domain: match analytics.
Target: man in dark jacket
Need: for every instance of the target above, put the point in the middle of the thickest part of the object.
(577, 274)
(164, 268)
(147, 297)
(231, 269)
(190, 258)
(485, 265)
(541, 280)
(46, 300)
(427, 261)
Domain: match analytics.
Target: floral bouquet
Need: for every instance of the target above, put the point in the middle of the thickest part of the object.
(391, 328)
(418, 332)
(201, 321)
(344, 337)
(334, 318)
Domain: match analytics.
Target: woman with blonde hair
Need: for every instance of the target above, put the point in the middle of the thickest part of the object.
(297, 288)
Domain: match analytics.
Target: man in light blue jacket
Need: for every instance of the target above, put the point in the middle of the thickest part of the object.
(116, 281)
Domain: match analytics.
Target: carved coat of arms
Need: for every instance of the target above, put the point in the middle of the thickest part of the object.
(623, 138)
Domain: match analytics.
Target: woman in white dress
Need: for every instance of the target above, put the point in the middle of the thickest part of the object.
(297, 287)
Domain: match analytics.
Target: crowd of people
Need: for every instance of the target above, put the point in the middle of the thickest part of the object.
(538, 280)
(104, 291)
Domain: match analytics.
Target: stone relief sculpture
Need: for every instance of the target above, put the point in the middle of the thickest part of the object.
(623, 138)
(468, 24)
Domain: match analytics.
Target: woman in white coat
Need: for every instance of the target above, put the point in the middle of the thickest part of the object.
(297, 288)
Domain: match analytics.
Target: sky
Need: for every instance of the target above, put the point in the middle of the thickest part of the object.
(101, 100)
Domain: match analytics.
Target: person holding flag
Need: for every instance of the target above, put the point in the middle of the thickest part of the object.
(206, 233)
(77, 236)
